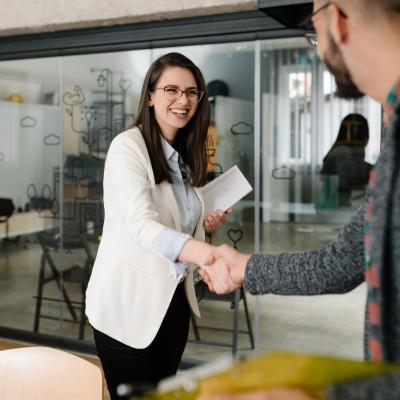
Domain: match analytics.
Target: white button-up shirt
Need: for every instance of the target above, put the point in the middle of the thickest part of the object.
(169, 243)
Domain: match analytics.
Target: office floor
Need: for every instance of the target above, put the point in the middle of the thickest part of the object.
(331, 324)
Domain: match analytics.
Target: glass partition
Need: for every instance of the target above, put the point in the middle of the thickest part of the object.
(98, 103)
(59, 116)
(229, 73)
(30, 156)
(317, 151)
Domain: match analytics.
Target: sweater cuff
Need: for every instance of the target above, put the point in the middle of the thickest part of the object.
(255, 274)
(380, 387)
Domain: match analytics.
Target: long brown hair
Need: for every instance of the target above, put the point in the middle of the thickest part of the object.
(191, 140)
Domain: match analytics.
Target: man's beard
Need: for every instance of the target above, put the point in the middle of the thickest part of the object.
(346, 88)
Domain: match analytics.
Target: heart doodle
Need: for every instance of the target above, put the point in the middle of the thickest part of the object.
(235, 235)
(73, 99)
(124, 84)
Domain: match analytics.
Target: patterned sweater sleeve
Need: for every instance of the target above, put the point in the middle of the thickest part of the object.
(382, 387)
(337, 268)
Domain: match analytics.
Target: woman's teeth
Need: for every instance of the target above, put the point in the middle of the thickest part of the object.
(179, 111)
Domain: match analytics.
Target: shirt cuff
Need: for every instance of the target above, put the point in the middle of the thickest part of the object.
(168, 245)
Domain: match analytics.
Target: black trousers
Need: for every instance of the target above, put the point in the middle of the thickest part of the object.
(125, 364)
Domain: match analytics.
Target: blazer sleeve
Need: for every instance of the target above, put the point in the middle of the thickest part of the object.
(128, 183)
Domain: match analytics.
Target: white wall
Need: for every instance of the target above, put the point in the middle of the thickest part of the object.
(29, 149)
(27, 16)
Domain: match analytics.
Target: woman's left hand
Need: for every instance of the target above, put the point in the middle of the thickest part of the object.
(215, 219)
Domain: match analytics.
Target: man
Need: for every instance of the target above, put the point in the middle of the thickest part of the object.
(360, 42)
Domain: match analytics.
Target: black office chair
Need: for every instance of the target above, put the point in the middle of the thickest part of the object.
(49, 241)
(6, 210)
(234, 298)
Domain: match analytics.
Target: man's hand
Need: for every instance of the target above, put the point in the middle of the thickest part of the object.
(223, 269)
(269, 394)
(218, 278)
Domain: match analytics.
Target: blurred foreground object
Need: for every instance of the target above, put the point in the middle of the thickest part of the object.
(313, 374)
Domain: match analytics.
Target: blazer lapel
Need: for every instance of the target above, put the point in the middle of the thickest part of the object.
(169, 197)
(199, 231)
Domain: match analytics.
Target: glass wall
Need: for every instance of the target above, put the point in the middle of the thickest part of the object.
(229, 73)
(317, 152)
(30, 156)
(59, 116)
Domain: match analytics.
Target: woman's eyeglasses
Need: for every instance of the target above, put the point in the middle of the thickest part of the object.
(173, 93)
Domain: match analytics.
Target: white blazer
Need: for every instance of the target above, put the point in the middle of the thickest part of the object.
(131, 288)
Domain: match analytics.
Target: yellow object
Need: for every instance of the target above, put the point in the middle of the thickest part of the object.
(16, 98)
(313, 374)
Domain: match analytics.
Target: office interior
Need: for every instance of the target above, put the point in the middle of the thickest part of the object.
(274, 115)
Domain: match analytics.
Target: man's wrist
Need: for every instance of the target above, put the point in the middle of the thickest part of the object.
(242, 264)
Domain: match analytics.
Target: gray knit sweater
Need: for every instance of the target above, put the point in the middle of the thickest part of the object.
(339, 268)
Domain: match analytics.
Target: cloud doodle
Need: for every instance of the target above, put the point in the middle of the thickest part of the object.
(28, 122)
(284, 173)
(52, 140)
(242, 128)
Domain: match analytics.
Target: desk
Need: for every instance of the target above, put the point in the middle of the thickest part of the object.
(26, 223)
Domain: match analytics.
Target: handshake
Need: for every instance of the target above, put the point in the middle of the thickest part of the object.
(223, 269)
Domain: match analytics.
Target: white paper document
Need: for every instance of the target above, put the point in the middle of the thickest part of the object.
(223, 192)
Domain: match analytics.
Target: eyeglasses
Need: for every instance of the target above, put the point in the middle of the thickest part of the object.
(173, 93)
(308, 25)
(312, 38)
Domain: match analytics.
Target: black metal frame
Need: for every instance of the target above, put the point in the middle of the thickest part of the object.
(290, 13)
(243, 26)
(224, 28)
(74, 274)
(281, 3)
(234, 298)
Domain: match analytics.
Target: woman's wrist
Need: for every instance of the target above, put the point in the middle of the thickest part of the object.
(195, 252)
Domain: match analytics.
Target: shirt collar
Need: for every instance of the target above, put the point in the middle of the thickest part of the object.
(169, 152)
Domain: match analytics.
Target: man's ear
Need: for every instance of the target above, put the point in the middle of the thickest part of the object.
(338, 24)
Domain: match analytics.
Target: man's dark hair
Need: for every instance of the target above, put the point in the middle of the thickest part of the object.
(387, 5)
(392, 5)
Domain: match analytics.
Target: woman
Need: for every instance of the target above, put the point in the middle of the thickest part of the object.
(346, 157)
(141, 289)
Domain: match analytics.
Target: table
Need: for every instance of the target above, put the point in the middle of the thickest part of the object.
(26, 223)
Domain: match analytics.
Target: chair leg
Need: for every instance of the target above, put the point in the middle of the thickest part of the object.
(82, 320)
(246, 313)
(61, 287)
(235, 322)
(195, 327)
(39, 294)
